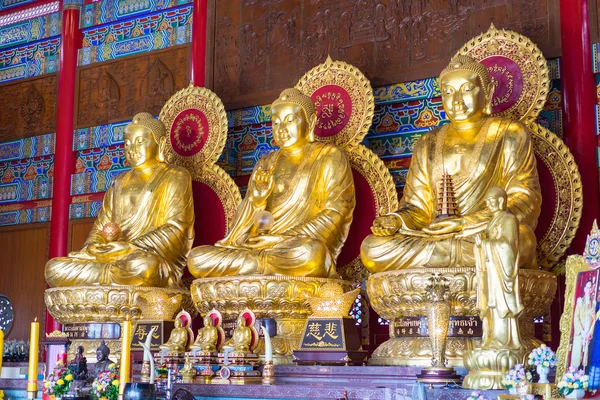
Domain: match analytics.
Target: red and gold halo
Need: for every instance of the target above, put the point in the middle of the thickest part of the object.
(216, 317)
(517, 68)
(556, 230)
(344, 101)
(196, 125)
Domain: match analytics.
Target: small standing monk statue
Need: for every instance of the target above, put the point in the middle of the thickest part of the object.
(103, 362)
(308, 190)
(497, 262)
(207, 338)
(178, 340)
(145, 227)
(242, 337)
(478, 151)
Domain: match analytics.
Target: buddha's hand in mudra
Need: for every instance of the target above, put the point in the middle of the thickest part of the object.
(445, 226)
(261, 182)
(262, 241)
(107, 251)
(386, 225)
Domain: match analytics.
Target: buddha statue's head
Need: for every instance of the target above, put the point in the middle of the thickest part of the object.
(178, 323)
(208, 321)
(102, 352)
(495, 199)
(294, 118)
(466, 90)
(145, 137)
(241, 321)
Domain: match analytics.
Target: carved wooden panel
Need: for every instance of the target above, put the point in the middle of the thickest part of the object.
(27, 108)
(116, 90)
(264, 46)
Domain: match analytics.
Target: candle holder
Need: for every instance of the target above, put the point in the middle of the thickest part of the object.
(207, 373)
(268, 375)
(145, 378)
(438, 319)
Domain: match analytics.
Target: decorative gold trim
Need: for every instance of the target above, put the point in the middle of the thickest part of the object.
(114, 303)
(224, 186)
(523, 52)
(358, 87)
(57, 334)
(378, 176)
(383, 190)
(400, 293)
(272, 296)
(206, 101)
(575, 265)
(569, 198)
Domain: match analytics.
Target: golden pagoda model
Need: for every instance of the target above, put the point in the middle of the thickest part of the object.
(446, 199)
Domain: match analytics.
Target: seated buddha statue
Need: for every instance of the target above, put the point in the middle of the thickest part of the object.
(479, 152)
(103, 363)
(207, 338)
(242, 337)
(306, 187)
(178, 340)
(145, 227)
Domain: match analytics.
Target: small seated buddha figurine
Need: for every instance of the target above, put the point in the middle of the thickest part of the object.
(478, 151)
(103, 362)
(79, 365)
(145, 227)
(306, 187)
(497, 261)
(188, 372)
(242, 337)
(178, 340)
(207, 338)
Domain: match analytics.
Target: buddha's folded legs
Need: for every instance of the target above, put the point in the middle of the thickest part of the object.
(297, 256)
(138, 268)
(390, 253)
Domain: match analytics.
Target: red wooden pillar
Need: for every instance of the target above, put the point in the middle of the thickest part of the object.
(198, 59)
(579, 98)
(63, 154)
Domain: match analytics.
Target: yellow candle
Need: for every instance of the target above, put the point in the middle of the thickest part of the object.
(1, 349)
(125, 354)
(34, 338)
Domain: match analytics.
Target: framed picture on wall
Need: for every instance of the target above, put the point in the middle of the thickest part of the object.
(580, 322)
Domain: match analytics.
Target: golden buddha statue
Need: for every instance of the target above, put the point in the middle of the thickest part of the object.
(479, 151)
(307, 189)
(207, 338)
(497, 261)
(178, 339)
(145, 227)
(188, 372)
(242, 338)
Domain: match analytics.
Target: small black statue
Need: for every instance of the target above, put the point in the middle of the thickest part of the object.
(79, 365)
(103, 362)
